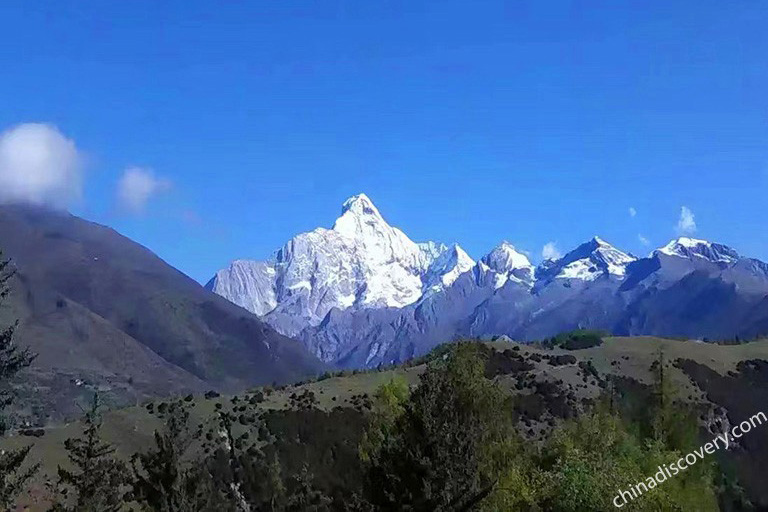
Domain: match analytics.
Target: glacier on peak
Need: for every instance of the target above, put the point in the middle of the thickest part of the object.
(444, 265)
(505, 258)
(361, 261)
(587, 262)
(685, 247)
(505, 263)
(362, 293)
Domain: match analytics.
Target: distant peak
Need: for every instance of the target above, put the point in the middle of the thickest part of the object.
(504, 257)
(677, 246)
(461, 255)
(685, 241)
(588, 261)
(360, 204)
(686, 247)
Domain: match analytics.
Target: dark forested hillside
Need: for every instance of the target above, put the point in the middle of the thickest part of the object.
(105, 313)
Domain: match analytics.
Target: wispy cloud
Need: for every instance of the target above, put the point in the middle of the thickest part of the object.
(39, 165)
(137, 186)
(632, 212)
(550, 251)
(643, 240)
(686, 224)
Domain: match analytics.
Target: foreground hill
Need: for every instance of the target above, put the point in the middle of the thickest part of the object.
(320, 423)
(105, 313)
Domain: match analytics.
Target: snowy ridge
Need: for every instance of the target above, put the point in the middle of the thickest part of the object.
(362, 293)
(685, 247)
(506, 264)
(587, 262)
(445, 265)
(362, 262)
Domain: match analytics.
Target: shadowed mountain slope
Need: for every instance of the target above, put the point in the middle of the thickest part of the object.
(103, 311)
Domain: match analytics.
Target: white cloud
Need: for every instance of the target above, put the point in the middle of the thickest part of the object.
(643, 240)
(550, 251)
(686, 225)
(137, 186)
(632, 211)
(39, 165)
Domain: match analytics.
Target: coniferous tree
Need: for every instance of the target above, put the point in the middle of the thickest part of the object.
(304, 496)
(589, 459)
(97, 479)
(240, 468)
(168, 477)
(672, 422)
(14, 473)
(451, 443)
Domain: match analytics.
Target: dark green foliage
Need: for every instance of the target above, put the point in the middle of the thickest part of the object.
(741, 393)
(324, 441)
(13, 475)
(451, 442)
(168, 478)
(304, 400)
(436, 353)
(304, 496)
(236, 463)
(586, 462)
(97, 480)
(13, 472)
(576, 340)
(672, 422)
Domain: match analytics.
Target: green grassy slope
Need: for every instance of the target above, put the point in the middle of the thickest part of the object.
(549, 385)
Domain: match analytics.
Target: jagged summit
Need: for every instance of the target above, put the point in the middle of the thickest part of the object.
(504, 264)
(505, 258)
(363, 293)
(445, 265)
(588, 261)
(685, 247)
(362, 262)
(360, 204)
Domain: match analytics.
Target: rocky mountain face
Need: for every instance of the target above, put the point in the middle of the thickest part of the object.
(361, 263)
(363, 294)
(103, 312)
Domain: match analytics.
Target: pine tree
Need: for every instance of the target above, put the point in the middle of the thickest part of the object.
(14, 473)
(97, 480)
(672, 422)
(167, 477)
(450, 444)
(304, 496)
(240, 469)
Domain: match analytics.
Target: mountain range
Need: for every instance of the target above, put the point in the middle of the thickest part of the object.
(363, 294)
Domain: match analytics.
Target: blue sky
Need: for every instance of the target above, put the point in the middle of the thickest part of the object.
(472, 122)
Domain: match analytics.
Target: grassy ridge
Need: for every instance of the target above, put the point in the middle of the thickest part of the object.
(552, 385)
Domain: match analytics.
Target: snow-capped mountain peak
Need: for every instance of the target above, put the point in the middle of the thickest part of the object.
(685, 247)
(362, 262)
(587, 262)
(360, 204)
(361, 219)
(363, 293)
(357, 207)
(444, 265)
(503, 264)
(505, 258)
